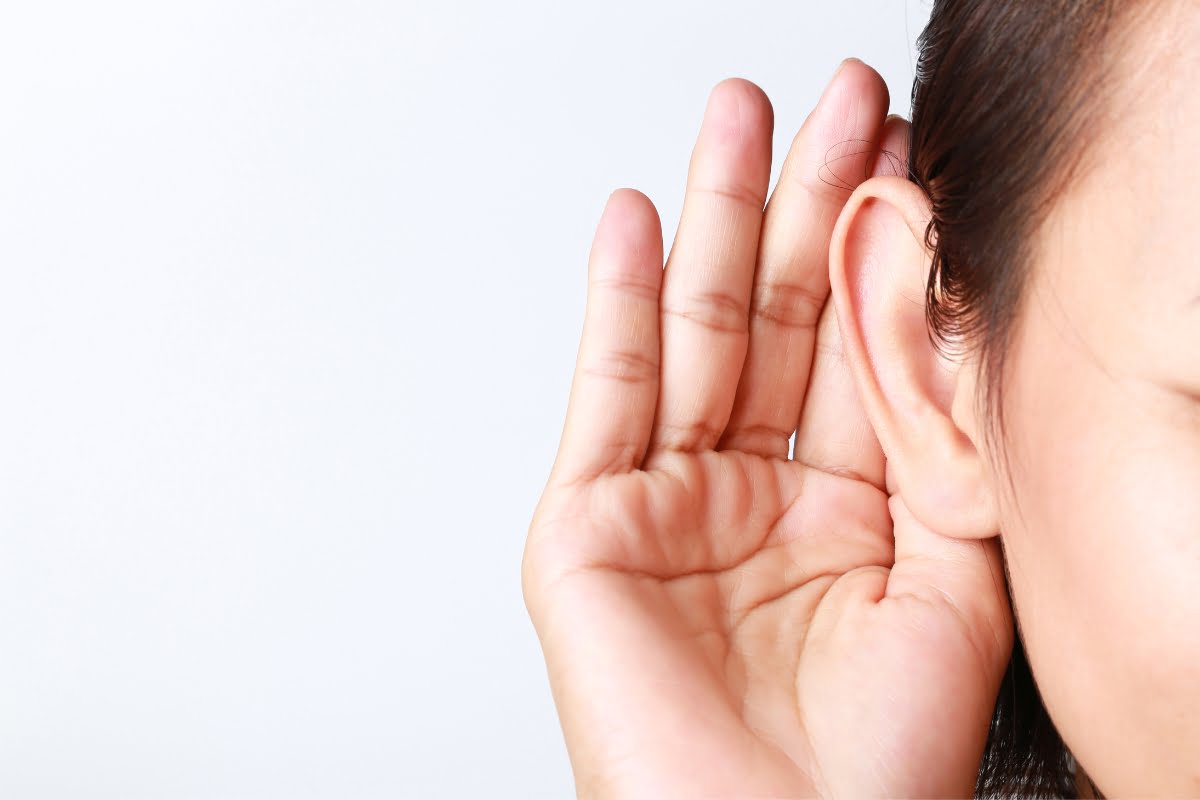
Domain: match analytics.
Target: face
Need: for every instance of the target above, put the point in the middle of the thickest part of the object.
(1101, 525)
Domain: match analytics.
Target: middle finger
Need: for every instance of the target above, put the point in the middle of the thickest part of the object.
(706, 286)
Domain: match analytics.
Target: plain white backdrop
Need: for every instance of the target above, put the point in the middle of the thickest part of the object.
(289, 305)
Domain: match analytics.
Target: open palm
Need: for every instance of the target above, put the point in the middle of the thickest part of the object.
(721, 618)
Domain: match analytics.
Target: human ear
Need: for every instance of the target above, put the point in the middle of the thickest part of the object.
(919, 401)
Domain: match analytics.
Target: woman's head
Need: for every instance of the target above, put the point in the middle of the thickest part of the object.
(1047, 238)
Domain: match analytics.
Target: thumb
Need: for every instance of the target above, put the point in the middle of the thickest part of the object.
(966, 575)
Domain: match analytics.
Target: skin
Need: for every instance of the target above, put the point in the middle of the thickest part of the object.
(1102, 530)
(722, 620)
(719, 619)
(1095, 483)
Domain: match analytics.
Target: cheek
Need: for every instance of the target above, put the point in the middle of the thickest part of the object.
(1102, 536)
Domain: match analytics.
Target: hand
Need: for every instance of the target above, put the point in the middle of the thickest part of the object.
(718, 619)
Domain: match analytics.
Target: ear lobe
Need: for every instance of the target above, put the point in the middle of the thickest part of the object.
(878, 267)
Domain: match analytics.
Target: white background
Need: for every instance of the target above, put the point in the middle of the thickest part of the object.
(289, 301)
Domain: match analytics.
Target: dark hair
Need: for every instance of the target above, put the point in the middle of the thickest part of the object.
(1005, 98)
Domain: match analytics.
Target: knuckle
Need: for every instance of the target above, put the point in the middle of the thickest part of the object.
(626, 285)
(764, 439)
(686, 436)
(737, 193)
(715, 310)
(789, 305)
(625, 366)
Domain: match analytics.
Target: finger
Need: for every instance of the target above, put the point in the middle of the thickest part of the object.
(706, 285)
(833, 433)
(831, 154)
(966, 574)
(615, 386)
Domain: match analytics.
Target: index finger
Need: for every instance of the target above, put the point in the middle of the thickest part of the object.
(834, 433)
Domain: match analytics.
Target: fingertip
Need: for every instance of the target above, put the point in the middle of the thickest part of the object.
(744, 91)
(628, 196)
(856, 70)
(839, 136)
(631, 212)
(629, 235)
(893, 148)
(739, 109)
(853, 80)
